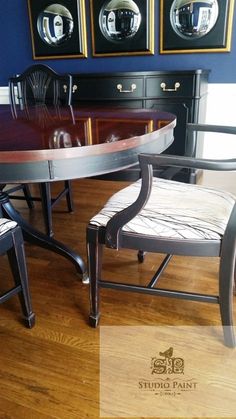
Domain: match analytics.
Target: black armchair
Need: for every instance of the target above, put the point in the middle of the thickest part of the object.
(174, 218)
(36, 87)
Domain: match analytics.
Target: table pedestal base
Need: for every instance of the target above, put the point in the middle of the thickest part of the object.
(37, 238)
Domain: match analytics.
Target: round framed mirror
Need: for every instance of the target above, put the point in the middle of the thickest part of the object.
(55, 25)
(119, 20)
(192, 19)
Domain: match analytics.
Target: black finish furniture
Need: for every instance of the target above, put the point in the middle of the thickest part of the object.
(39, 84)
(84, 148)
(36, 87)
(11, 243)
(182, 93)
(173, 218)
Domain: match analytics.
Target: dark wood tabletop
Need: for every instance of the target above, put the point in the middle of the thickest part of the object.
(48, 144)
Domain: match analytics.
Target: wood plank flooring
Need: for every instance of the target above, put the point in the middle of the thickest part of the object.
(52, 371)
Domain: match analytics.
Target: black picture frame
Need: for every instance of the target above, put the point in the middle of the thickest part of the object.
(142, 43)
(73, 46)
(218, 39)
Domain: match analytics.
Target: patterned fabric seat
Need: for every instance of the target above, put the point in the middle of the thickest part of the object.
(6, 225)
(174, 210)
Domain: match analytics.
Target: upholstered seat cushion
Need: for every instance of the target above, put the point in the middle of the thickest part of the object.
(174, 210)
(6, 225)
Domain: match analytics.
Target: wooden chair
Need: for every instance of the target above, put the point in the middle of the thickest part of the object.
(11, 243)
(37, 86)
(172, 218)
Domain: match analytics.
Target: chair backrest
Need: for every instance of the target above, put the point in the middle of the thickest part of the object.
(38, 85)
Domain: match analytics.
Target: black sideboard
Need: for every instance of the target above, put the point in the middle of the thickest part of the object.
(182, 93)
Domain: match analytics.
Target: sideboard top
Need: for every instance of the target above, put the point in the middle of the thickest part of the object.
(199, 72)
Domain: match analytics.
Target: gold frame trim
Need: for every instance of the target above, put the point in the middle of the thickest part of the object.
(84, 54)
(151, 39)
(227, 48)
(89, 131)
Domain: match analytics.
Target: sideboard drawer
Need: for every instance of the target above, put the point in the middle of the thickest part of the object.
(110, 88)
(173, 86)
(182, 93)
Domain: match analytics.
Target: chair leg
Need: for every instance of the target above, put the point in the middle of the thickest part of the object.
(141, 255)
(94, 266)
(69, 198)
(45, 192)
(16, 257)
(27, 194)
(234, 286)
(226, 283)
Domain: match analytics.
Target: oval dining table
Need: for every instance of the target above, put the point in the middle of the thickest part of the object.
(48, 144)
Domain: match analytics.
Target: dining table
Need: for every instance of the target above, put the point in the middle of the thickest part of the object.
(51, 143)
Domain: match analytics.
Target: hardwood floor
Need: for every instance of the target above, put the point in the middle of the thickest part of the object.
(52, 371)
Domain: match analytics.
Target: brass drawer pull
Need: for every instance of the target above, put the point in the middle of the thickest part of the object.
(132, 88)
(65, 88)
(163, 86)
(74, 88)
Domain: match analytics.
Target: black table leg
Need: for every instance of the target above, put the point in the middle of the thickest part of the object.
(39, 239)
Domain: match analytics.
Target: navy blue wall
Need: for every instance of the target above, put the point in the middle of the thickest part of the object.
(16, 51)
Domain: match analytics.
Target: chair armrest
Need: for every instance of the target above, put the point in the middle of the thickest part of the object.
(191, 144)
(188, 162)
(225, 129)
(115, 224)
(192, 129)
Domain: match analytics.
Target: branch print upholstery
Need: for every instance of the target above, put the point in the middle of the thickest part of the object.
(174, 210)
